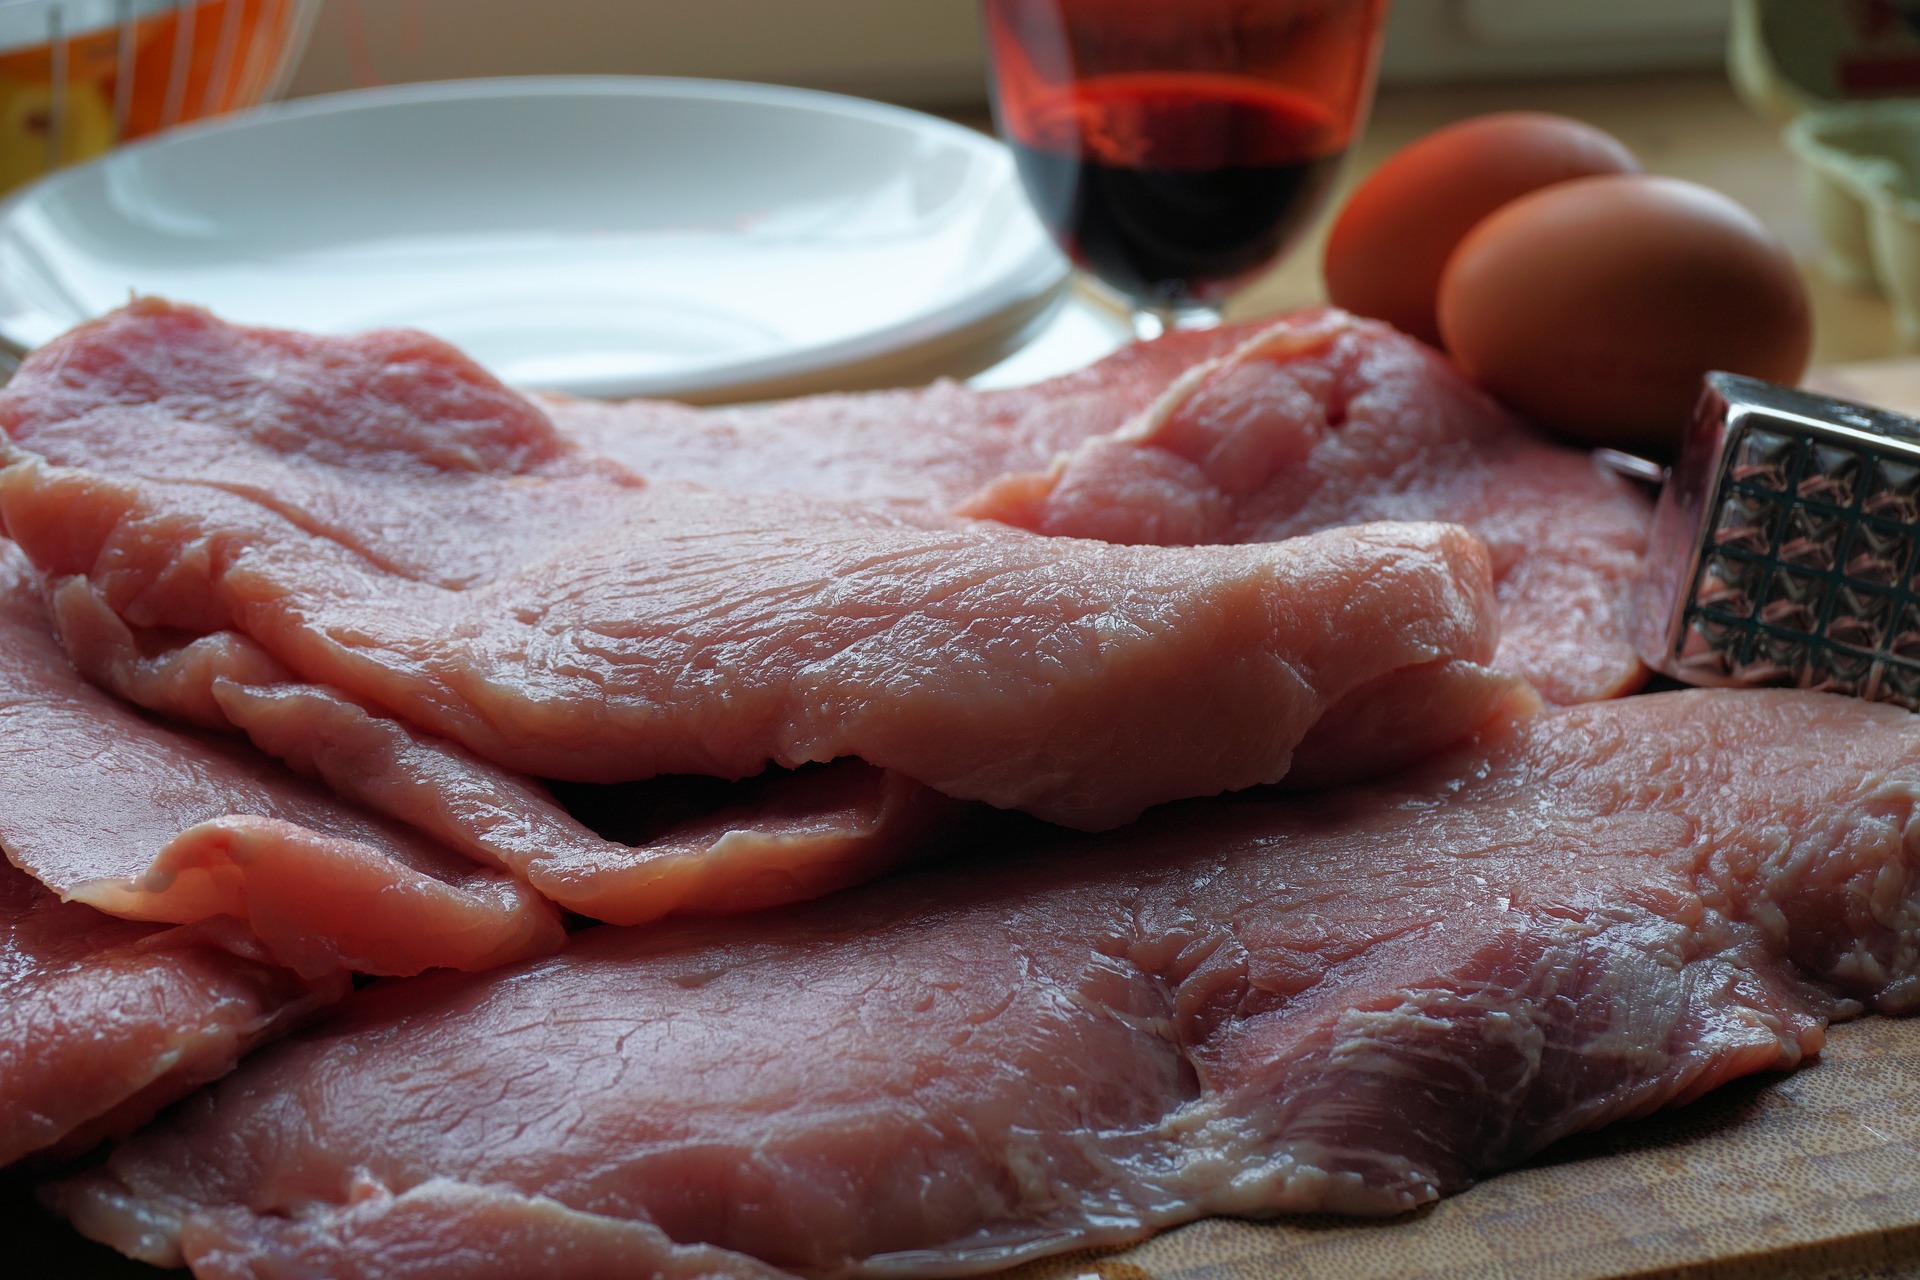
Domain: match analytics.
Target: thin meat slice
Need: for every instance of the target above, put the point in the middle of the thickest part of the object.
(925, 449)
(381, 517)
(781, 839)
(785, 836)
(1325, 420)
(1354, 1002)
(104, 1021)
(148, 822)
(1247, 434)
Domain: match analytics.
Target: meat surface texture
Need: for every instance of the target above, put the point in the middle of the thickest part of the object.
(925, 449)
(105, 1021)
(1354, 1002)
(148, 822)
(383, 519)
(783, 838)
(1250, 434)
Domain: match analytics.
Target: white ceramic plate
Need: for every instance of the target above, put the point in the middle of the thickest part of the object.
(604, 237)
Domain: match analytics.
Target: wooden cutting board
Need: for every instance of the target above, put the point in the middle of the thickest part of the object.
(1815, 1173)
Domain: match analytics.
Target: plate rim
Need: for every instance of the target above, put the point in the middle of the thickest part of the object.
(1008, 301)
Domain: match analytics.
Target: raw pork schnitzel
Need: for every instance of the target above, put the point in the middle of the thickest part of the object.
(104, 1021)
(779, 838)
(150, 822)
(1249, 434)
(382, 517)
(1355, 1002)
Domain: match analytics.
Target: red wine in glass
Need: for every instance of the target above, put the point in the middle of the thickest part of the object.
(1177, 149)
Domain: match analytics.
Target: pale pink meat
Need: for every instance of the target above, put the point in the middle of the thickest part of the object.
(686, 846)
(1310, 422)
(1354, 1002)
(105, 1021)
(1323, 420)
(149, 822)
(928, 448)
(381, 517)
(781, 839)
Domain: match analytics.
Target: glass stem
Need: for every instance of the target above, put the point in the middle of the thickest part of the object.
(1151, 322)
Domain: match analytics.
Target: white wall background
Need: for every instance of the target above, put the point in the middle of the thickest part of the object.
(928, 51)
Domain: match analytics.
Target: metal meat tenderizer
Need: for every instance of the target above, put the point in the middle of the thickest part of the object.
(1783, 544)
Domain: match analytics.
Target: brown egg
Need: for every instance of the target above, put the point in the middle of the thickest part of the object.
(1596, 306)
(1394, 235)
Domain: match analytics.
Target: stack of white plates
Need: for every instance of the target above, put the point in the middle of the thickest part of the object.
(606, 237)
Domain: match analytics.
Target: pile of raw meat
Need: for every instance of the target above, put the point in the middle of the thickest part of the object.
(891, 834)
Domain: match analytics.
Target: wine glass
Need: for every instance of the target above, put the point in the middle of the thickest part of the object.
(1177, 148)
